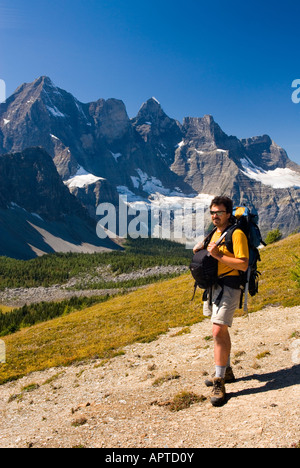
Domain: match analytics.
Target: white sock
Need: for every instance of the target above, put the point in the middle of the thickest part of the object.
(220, 372)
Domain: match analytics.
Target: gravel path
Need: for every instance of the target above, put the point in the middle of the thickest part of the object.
(125, 401)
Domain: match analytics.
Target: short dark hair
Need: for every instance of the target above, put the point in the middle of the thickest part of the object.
(226, 201)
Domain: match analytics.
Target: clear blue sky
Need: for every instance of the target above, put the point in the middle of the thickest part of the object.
(232, 59)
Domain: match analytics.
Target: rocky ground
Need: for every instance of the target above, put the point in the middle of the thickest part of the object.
(125, 402)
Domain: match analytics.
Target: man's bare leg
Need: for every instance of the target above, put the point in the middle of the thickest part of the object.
(221, 351)
(222, 344)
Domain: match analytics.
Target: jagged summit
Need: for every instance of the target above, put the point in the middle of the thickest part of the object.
(149, 153)
(35, 88)
(149, 113)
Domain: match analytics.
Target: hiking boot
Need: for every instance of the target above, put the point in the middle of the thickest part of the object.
(229, 377)
(218, 394)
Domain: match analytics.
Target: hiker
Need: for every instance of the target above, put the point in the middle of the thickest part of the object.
(223, 298)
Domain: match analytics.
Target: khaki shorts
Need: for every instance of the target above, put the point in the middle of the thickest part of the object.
(223, 313)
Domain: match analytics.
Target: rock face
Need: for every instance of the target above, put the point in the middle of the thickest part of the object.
(30, 180)
(161, 133)
(149, 153)
(38, 214)
(264, 152)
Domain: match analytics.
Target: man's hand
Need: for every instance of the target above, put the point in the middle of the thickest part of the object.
(234, 263)
(214, 251)
(198, 247)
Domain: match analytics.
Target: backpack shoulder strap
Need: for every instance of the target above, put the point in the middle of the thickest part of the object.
(228, 239)
(208, 238)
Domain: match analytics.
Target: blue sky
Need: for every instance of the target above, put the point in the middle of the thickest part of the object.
(235, 60)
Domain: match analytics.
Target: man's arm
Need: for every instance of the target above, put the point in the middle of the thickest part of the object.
(198, 247)
(234, 263)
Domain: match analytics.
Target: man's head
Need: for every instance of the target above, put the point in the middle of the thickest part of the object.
(221, 211)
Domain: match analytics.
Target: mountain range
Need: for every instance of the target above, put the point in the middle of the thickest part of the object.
(61, 158)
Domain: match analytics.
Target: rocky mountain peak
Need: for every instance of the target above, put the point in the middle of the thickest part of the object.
(27, 93)
(158, 130)
(266, 154)
(204, 132)
(150, 112)
(43, 82)
(111, 118)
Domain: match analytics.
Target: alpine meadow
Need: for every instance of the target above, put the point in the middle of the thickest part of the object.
(100, 332)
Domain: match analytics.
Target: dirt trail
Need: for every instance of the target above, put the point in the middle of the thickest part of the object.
(115, 404)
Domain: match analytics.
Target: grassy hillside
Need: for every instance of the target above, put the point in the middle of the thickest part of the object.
(276, 285)
(103, 329)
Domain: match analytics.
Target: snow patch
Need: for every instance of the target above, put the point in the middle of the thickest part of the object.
(55, 112)
(15, 206)
(37, 216)
(82, 178)
(79, 108)
(151, 184)
(179, 218)
(131, 197)
(277, 178)
(135, 181)
(116, 155)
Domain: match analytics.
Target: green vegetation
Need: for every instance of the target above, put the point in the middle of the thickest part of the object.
(276, 284)
(273, 236)
(29, 315)
(165, 378)
(181, 401)
(263, 354)
(296, 272)
(60, 267)
(184, 400)
(102, 330)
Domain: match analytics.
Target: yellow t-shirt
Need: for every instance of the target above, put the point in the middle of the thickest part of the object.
(240, 250)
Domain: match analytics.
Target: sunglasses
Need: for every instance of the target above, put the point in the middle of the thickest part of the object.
(218, 213)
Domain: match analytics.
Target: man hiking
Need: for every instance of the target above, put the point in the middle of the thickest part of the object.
(224, 297)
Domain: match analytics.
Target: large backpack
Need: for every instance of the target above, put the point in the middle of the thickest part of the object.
(204, 270)
(247, 221)
(204, 267)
